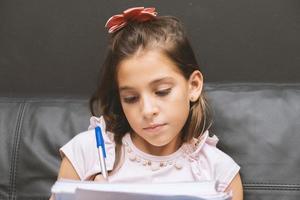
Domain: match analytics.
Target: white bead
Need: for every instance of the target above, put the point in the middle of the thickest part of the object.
(162, 164)
(178, 165)
(129, 150)
(155, 166)
(132, 157)
(144, 162)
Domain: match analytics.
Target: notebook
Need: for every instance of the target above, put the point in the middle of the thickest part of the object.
(83, 190)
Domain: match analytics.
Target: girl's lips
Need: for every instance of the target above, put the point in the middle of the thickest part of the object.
(154, 127)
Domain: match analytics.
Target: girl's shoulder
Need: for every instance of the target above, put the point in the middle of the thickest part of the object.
(82, 150)
(87, 140)
(206, 145)
(211, 160)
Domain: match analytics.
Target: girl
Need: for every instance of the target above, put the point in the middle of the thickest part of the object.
(155, 116)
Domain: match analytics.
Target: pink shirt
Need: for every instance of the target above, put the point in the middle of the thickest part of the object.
(198, 160)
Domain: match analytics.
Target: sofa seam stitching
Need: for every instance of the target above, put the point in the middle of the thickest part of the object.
(14, 159)
(270, 184)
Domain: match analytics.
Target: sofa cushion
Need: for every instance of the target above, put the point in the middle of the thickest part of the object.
(257, 124)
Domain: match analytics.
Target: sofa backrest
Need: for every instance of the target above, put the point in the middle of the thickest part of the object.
(60, 52)
(257, 124)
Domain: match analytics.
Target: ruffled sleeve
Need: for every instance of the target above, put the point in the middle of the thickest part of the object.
(210, 163)
(82, 150)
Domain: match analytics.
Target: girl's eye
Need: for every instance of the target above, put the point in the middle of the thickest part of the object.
(163, 92)
(130, 99)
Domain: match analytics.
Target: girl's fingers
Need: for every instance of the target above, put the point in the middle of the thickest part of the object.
(99, 178)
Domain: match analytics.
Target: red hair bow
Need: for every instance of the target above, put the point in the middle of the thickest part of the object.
(140, 14)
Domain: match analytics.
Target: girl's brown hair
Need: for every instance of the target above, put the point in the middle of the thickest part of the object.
(165, 34)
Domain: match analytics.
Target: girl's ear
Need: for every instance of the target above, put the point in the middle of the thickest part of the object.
(195, 85)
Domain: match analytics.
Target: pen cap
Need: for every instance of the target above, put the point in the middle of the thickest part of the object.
(100, 140)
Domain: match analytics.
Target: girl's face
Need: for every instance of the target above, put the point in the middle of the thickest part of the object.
(155, 98)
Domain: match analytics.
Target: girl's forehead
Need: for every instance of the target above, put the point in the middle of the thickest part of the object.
(146, 68)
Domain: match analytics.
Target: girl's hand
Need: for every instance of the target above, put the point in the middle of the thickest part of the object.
(100, 178)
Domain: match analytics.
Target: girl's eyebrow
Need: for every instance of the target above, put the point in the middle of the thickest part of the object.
(154, 82)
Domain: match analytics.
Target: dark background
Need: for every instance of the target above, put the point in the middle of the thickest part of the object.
(56, 47)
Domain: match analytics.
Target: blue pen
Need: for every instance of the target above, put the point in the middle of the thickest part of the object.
(101, 151)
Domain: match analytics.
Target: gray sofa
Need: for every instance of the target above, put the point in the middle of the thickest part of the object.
(257, 124)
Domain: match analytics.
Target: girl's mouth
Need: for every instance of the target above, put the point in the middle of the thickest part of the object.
(154, 127)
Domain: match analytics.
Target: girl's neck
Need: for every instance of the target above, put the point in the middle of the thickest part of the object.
(148, 148)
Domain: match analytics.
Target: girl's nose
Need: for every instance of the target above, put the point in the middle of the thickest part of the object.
(149, 108)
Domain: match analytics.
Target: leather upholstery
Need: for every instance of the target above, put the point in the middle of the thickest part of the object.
(257, 124)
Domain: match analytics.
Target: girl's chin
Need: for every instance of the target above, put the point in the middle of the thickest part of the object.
(160, 141)
(155, 140)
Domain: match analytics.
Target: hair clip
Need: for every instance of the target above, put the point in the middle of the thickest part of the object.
(139, 14)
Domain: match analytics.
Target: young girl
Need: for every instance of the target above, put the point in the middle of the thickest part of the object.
(154, 115)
